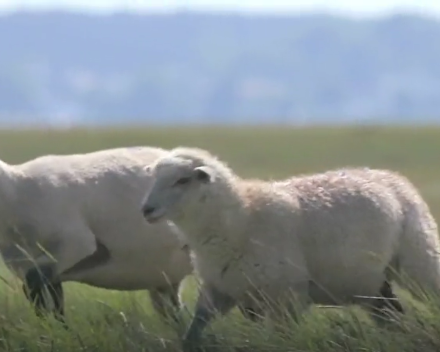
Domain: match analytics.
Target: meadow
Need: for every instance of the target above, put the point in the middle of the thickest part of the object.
(103, 320)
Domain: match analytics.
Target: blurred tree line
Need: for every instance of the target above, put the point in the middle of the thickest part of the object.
(210, 68)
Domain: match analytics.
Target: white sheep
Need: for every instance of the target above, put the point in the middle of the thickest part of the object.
(76, 218)
(337, 237)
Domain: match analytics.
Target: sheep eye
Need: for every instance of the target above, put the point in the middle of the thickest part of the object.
(183, 181)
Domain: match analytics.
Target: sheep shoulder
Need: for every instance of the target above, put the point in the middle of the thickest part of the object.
(270, 211)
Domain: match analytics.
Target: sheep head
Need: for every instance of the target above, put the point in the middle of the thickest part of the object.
(177, 184)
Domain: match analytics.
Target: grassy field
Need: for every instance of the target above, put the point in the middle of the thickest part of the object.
(120, 321)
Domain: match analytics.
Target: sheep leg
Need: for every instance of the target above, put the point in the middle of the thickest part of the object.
(209, 302)
(36, 280)
(165, 301)
(35, 297)
(56, 292)
(387, 301)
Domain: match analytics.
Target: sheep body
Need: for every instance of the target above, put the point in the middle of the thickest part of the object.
(73, 205)
(330, 238)
(284, 241)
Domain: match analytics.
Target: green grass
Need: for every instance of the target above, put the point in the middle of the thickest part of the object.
(104, 320)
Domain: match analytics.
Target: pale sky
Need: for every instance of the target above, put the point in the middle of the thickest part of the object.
(347, 7)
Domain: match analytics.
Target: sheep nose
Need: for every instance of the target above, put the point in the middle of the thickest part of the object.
(148, 210)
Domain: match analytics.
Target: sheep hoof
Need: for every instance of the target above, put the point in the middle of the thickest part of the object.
(36, 280)
(211, 344)
(190, 346)
(388, 308)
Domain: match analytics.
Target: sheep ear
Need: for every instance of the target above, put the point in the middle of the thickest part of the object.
(204, 174)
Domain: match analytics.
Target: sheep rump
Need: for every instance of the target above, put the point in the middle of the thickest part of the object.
(328, 237)
(78, 217)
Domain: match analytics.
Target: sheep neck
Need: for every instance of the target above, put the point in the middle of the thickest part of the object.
(214, 220)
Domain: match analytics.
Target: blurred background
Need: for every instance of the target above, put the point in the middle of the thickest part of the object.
(227, 76)
(101, 62)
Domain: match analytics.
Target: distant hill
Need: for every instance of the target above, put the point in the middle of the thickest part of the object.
(211, 68)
